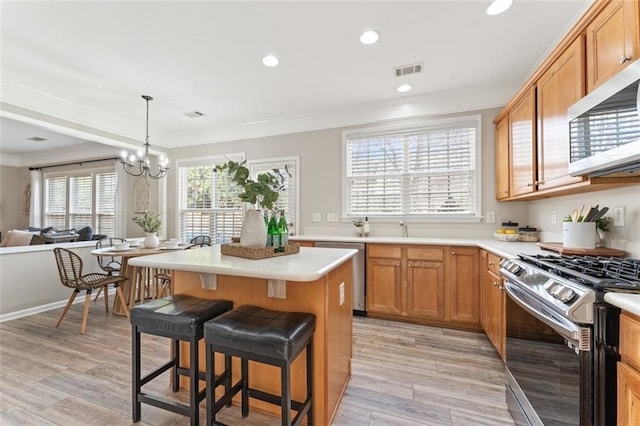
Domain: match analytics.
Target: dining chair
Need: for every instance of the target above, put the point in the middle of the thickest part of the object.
(163, 276)
(70, 270)
(201, 240)
(110, 264)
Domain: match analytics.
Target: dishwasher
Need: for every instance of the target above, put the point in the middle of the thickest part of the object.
(359, 273)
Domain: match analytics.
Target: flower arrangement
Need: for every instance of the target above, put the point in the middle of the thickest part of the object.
(149, 222)
(263, 191)
(358, 223)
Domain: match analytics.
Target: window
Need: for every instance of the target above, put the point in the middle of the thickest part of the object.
(79, 199)
(208, 201)
(288, 199)
(421, 169)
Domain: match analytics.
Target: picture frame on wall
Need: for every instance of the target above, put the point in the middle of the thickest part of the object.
(141, 195)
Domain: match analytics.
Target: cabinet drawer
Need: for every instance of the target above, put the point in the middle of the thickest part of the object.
(630, 339)
(493, 263)
(426, 253)
(384, 250)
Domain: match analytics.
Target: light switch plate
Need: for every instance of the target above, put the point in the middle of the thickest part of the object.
(341, 293)
(618, 216)
(317, 217)
(332, 217)
(491, 217)
(554, 217)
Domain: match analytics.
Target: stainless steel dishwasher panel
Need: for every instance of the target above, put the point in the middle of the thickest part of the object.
(359, 273)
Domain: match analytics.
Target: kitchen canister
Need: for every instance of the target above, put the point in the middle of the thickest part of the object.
(580, 235)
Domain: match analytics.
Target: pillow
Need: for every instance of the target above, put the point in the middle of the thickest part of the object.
(17, 238)
(85, 234)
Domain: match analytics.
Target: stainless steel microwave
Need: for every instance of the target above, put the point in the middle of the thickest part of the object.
(605, 128)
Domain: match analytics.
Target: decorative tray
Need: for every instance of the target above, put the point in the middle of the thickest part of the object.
(235, 249)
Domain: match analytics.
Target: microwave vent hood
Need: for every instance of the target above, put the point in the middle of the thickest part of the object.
(605, 128)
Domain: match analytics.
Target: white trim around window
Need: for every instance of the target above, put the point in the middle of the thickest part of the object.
(420, 169)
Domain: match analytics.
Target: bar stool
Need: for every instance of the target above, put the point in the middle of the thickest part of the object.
(180, 318)
(269, 337)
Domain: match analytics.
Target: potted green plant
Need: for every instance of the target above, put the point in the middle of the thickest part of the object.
(263, 191)
(150, 223)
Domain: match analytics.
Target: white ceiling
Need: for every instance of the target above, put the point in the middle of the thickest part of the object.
(84, 65)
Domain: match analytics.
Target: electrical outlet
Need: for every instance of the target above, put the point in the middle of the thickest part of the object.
(341, 293)
(317, 217)
(554, 217)
(618, 216)
(332, 217)
(491, 217)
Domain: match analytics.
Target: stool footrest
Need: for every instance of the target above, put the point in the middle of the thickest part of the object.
(302, 411)
(227, 397)
(155, 373)
(165, 404)
(273, 399)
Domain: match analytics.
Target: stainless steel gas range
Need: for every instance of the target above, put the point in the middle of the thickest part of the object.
(562, 338)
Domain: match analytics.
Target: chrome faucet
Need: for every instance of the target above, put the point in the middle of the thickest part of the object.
(405, 229)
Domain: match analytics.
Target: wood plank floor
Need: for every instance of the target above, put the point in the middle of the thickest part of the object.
(403, 374)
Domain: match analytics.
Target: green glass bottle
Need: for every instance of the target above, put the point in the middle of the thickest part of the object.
(273, 233)
(266, 225)
(284, 230)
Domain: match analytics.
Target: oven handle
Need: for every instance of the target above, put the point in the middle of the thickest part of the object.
(579, 337)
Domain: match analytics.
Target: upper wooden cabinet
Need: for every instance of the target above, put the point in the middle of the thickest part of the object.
(502, 159)
(532, 131)
(522, 138)
(613, 39)
(558, 88)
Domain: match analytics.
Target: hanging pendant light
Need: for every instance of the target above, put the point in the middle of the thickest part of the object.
(143, 166)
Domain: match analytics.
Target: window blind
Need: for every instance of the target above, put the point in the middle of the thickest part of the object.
(419, 172)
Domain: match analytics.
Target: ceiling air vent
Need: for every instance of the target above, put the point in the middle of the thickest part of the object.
(37, 139)
(408, 69)
(194, 114)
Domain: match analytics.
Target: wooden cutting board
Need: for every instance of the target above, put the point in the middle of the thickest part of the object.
(599, 251)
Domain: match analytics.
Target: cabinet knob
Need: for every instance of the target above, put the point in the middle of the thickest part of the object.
(506, 191)
(409, 265)
(453, 253)
(624, 59)
(495, 284)
(491, 263)
(529, 185)
(397, 265)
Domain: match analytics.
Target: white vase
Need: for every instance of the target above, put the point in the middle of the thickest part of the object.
(151, 240)
(254, 230)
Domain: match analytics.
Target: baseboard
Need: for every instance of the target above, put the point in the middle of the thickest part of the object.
(43, 308)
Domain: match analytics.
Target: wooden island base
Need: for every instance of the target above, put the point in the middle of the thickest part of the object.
(332, 338)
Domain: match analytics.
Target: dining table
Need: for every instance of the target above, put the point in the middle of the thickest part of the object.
(136, 276)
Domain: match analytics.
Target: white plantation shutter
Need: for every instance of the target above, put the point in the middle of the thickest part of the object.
(208, 201)
(287, 199)
(81, 198)
(423, 172)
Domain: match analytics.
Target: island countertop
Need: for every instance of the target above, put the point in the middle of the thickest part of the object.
(308, 265)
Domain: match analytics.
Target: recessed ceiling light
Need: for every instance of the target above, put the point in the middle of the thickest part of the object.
(270, 61)
(404, 88)
(369, 37)
(498, 6)
(36, 139)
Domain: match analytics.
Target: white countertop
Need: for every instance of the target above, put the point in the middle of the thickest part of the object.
(308, 265)
(502, 249)
(625, 301)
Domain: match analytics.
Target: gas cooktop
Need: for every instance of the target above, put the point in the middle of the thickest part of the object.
(600, 273)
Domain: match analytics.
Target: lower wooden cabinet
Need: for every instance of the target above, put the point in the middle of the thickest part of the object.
(426, 284)
(629, 371)
(493, 297)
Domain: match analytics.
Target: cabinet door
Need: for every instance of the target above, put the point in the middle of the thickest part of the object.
(425, 289)
(496, 306)
(384, 286)
(522, 138)
(463, 285)
(558, 88)
(628, 395)
(613, 39)
(502, 159)
(483, 283)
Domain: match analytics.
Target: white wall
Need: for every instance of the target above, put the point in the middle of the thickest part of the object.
(321, 181)
(624, 238)
(12, 184)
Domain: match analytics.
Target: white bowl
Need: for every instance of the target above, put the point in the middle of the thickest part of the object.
(121, 246)
(172, 244)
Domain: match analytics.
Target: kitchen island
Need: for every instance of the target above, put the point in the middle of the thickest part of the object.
(316, 280)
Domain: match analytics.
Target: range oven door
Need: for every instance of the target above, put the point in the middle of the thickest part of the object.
(549, 379)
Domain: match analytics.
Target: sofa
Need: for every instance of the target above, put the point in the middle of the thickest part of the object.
(49, 235)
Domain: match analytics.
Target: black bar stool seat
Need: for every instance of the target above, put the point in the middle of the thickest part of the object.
(181, 318)
(270, 337)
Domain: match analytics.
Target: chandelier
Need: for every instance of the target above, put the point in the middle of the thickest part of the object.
(143, 166)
